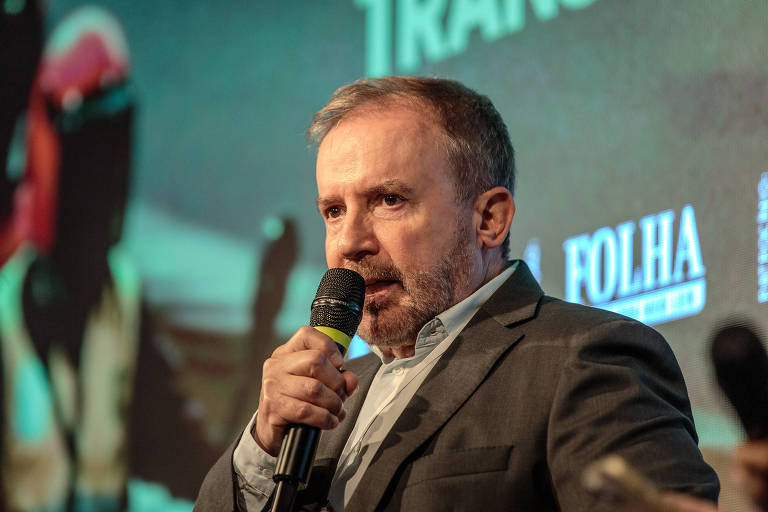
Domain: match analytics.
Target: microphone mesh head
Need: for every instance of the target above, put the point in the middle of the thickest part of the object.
(339, 301)
(741, 368)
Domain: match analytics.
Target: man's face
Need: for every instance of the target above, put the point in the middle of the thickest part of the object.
(388, 199)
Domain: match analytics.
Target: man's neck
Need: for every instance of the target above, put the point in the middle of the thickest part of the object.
(493, 266)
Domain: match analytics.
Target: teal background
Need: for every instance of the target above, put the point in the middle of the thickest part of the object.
(617, 109)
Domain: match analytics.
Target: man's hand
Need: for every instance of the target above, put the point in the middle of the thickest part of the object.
(301, 383)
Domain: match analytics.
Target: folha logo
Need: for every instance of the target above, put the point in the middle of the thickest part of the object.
(667, 283)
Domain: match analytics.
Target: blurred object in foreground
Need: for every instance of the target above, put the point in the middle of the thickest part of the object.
(613, 481)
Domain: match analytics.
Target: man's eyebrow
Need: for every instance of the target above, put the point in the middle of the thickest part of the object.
(323, 202)
(385, 187)
(390, 186)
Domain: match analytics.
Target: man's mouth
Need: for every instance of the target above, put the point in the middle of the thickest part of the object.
(375, 287)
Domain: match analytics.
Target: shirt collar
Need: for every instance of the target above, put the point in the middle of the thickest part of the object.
(457, 316)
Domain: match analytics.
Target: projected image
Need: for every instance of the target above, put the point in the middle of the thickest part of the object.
(640, 136)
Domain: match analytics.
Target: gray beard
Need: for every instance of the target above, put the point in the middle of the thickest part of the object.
(427, 294)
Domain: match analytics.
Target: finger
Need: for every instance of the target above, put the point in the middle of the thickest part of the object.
(308, 338)
(350, 381)
(314, 392)
(291, 410)
(315, 364)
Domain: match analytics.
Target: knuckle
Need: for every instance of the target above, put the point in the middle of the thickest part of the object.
(339, 388)
(315, 363)
(314, 389)
(338, 405)
(303, 411)
(317, 357)
(269, 387)
(279, 350)
(275, 422)
(305, 331)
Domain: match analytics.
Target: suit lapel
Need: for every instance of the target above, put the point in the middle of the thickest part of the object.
(495, 328)
(332, 441)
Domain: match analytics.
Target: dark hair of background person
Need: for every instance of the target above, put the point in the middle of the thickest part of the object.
(21, 40)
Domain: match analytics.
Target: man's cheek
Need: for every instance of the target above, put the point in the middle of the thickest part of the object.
(331, 255)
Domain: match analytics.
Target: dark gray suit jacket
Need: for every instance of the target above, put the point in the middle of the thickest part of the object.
(531, 391)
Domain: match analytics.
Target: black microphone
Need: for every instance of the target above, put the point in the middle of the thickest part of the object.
(336, 312)
(741, 367)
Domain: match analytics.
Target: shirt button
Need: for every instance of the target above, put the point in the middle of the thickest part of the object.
(398, 371)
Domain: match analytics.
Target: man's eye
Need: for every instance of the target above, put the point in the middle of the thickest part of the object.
(332, 212)
(391, 199)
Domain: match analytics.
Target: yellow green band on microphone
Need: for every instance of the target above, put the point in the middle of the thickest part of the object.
(336, 335)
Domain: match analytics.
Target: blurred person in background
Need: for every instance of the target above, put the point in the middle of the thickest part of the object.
(21, 40)
(87, 401)
(751, 471)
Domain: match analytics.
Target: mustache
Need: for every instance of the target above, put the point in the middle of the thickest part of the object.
(376, 271)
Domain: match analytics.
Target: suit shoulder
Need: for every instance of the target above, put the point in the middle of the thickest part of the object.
(578, 324)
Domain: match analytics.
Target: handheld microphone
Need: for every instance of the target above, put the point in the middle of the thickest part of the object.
(741, 366)
(336, 312)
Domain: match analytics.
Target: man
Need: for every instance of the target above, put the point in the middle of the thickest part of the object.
(482, 394)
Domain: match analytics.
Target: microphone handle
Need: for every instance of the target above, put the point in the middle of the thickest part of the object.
(294, 464)
(296, 454)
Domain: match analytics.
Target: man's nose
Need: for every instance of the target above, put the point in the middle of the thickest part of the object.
(357, 238)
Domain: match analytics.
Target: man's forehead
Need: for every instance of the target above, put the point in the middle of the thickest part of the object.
(379, 151)
(412, 114)
(380, 134)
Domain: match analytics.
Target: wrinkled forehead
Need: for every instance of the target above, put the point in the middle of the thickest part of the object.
(393, 120)
(382, 144)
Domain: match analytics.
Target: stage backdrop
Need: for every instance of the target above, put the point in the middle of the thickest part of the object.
(641, 133)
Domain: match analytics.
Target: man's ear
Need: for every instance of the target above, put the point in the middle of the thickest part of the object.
(494, 210)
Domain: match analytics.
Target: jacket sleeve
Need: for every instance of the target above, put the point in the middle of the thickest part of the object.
(621, 392)
(219, 491)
